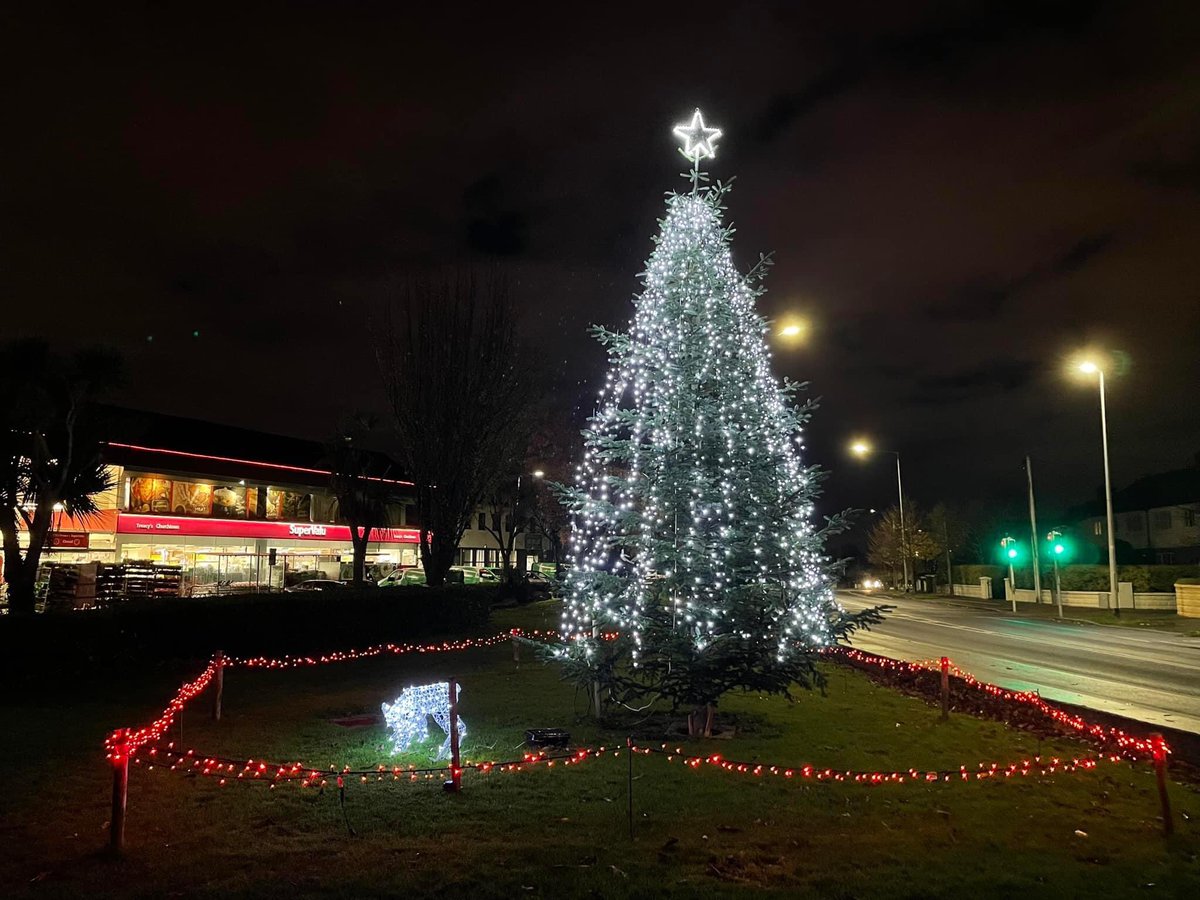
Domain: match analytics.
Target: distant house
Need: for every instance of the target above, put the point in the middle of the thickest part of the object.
(1158, 516)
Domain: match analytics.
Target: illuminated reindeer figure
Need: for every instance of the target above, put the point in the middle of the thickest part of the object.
(408, 717)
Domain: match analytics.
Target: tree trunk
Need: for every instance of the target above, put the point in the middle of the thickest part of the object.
(21, 583)
(359, 538)
(700, 720)
(20, 571)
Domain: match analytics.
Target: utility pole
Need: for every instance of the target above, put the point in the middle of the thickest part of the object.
(903, 533)
(1033, 536)
(1056, 549)
(949, 565)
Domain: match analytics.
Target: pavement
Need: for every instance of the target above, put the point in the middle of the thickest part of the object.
(1150, 676)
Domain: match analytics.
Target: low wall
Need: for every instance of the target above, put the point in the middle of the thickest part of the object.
(1100, 599)
(1188, 598)
(968, 590)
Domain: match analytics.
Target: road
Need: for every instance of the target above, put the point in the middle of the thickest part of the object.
(1152, 676)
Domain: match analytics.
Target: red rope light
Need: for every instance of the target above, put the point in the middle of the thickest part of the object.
(129, 743)
(1105, 735)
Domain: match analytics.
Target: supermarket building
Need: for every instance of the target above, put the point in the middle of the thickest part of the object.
(232, 509)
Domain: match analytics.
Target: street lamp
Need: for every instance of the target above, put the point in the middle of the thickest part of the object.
(794, 330)
(862, 449)
(1091, 367)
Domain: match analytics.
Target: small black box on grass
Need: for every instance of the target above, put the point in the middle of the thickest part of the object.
(547, 737)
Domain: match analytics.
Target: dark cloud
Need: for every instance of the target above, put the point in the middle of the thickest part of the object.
(981, 301)
(958, 193)
(977, 383)
(492, 225)
(1083, 252)
(1178, 173)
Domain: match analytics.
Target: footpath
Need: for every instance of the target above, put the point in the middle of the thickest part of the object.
(1157, 620)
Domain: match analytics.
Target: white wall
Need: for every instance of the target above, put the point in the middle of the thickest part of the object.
(1100, 599)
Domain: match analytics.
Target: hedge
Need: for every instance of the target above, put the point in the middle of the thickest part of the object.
(1161, 578)
(972, 574)
(241, 625)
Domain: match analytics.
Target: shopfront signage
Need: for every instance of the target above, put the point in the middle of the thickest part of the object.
(136, 523)
(69, 540)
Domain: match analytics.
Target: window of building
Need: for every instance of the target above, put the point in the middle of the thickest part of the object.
(411, 517)
(1189, 518)
(1098, 528)
(1162, 520)
(495, 521)
(482, 521)
(1165, 557)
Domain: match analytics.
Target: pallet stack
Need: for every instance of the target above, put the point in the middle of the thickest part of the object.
(132, 580)
(72, 585)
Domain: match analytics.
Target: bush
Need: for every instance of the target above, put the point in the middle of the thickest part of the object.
(1164, 578)
(1143, 578)
(972, 574)
(240, 625)
(1187, 580)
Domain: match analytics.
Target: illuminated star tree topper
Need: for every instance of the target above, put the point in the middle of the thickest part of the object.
(699, 142)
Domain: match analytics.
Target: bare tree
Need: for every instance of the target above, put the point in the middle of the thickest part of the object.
(451, 364)
(889, 545)
(361, 481)
(510, 504)
(49, 449)
(949, 530)
(554, 446)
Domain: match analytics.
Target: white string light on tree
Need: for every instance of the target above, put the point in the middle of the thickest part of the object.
(692, 509)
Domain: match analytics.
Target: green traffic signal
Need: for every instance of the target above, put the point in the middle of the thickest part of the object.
(1010, 549)
(1060, 547)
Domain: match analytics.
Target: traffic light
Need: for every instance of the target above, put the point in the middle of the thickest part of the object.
(1058, 545)
(1010, 550)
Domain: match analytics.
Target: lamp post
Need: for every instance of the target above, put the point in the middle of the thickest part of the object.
(862, 450)
(1090, 367)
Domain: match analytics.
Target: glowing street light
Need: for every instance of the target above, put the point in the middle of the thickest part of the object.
(538, 473)
(863, 449)
(793, 330)
(1089, 366)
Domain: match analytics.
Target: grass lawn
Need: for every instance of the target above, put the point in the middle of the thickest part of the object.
(563, 833)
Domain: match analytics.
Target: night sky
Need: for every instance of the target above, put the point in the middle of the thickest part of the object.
(957, 194)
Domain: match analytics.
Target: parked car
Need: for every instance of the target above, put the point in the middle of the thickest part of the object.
(475, 575)
(313, 585)
(402, 577)
(539, 584)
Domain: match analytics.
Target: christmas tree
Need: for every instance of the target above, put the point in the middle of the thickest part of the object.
(696, 568)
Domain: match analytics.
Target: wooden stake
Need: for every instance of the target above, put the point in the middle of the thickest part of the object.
(120, 796)
(218, 685)
(629, 751)
(455, 761)
(1160, 774)
(945, 688)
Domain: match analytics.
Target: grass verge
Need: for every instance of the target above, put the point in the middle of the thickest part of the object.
(564, 833)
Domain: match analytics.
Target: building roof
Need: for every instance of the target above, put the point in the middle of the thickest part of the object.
(141, 439)
(1175, 488)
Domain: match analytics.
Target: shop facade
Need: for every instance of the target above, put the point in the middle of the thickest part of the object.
(261, 517)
